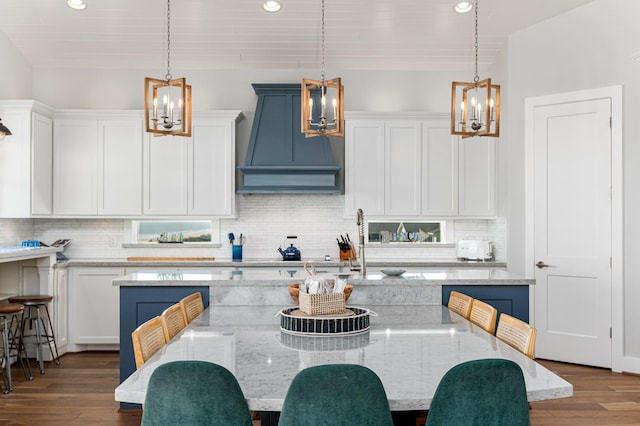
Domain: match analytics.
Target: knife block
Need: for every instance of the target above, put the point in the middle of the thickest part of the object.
(349, 254)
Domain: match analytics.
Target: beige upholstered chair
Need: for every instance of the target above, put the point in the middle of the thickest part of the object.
(460, 303)
(517, 334)
(192, 306)
(147, 339)
(483, 315)
(173, 321)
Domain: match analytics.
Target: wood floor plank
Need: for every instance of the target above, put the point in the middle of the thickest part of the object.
(81, 392)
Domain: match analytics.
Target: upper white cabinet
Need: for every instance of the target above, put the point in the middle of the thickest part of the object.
(25, 160)
(119, 174)
(364, 166)
(440, 166)
(105, 165)
(165, 175)
(75, 167)
(409, 165)
(192, 176)
(477, 178)
(97, 164)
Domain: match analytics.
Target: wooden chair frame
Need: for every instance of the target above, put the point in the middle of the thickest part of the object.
(483, 315)
(517, 334)
(460, 303)
(148, 339)
(174, 320)
(192, 306)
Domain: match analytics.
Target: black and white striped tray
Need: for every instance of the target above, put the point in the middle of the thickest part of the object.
(355, 321)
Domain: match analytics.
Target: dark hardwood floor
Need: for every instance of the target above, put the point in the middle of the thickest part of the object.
(80, 392)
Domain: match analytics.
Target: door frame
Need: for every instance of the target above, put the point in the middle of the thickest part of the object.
(614, 93)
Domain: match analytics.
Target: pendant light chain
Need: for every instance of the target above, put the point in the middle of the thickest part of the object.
(322, 75)
(476, 78)
(168, 76)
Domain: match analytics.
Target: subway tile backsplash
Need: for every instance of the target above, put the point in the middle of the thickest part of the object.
(266, 221)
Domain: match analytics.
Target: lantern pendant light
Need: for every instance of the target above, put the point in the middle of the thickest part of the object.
(4, 130)
(475, 106)
(167, 103)
(322, 103)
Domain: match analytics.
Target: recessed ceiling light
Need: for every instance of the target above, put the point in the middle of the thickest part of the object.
(271, 6)
(464, 6)
(77, 4)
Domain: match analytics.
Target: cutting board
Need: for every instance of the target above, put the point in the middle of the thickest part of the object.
(169, 259)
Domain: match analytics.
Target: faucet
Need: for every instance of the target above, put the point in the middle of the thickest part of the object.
(362, 267)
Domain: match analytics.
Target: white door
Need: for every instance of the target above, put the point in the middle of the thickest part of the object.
(572, 231)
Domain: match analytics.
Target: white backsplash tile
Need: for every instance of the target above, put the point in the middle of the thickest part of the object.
(266, 220)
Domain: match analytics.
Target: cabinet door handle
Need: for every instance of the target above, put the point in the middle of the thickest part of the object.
(541, 265)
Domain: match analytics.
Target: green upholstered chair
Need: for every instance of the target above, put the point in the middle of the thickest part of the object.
(336, 395)
(194, 393)
(481, 392)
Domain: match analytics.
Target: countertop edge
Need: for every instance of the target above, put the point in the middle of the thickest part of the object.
(372, 264)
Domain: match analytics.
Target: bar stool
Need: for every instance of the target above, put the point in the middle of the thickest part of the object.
(12, 341)
(36, 311)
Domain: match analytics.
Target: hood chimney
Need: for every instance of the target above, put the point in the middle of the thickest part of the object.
(280, 160)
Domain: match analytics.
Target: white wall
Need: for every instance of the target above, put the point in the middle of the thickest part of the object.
(590, 47)
(15, 72)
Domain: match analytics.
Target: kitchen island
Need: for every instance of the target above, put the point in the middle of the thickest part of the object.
(146, 294)
(408, 347)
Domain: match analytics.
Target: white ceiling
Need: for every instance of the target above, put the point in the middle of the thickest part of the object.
(239, 34)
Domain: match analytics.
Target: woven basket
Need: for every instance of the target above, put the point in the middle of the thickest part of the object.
(322, 303)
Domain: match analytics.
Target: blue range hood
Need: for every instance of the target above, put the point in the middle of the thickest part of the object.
(280, 160)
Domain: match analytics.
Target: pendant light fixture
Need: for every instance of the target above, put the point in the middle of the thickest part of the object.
(322, 103)
(4, 130)
(167, 103)
(475, 106)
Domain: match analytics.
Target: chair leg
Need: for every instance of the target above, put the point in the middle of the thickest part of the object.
(17, 344)
(6, 356)
(51, 338)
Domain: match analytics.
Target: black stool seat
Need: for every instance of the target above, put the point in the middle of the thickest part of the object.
(12, 342)
(33, 317)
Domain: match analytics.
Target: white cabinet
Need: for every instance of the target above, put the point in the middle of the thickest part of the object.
(97, 164)
(403, 187)
(192, 176)
(25, 160)
(165, 175)
(75, 171)
(120, 166)
(105, 165)
(364, 167)
(439, 165)
(477, 161)
(94, 307)
(409, 165)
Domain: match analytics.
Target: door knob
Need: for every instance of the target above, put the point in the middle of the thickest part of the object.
(541, 265)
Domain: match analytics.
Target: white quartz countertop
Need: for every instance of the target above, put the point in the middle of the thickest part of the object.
(277, 263)
(409, 347)
(267, 276)
(17, 253)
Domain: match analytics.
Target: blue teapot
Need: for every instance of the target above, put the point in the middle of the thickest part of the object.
(290, 253)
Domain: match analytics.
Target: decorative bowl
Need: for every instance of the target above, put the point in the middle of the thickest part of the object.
(294, 290)
(393, 272)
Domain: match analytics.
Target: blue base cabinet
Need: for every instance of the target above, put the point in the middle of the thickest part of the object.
(510, 299)
(139, 304)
